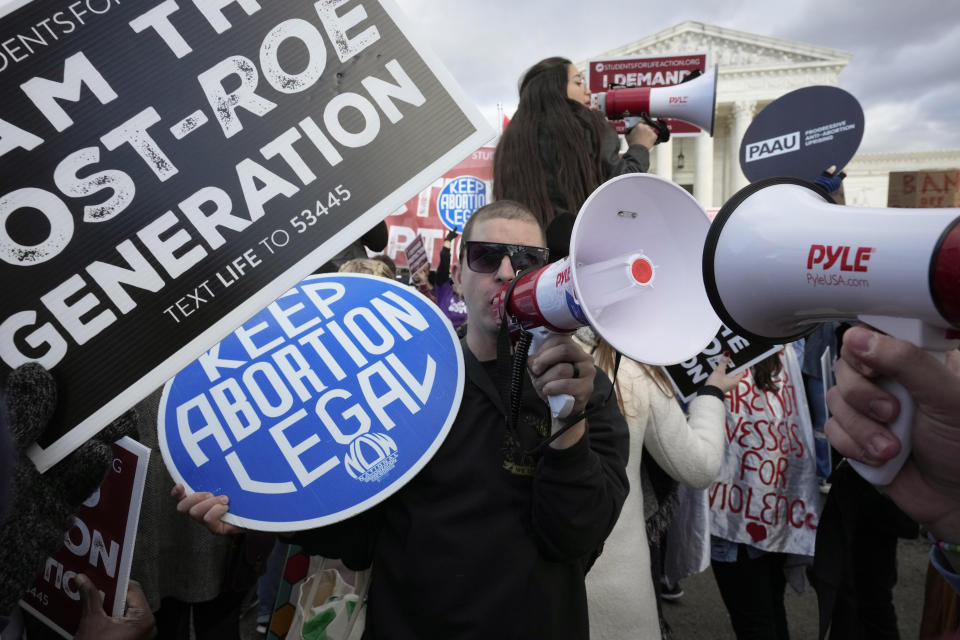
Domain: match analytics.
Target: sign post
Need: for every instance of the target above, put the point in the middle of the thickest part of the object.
(170, 168)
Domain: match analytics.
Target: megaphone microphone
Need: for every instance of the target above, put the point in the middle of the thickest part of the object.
(692, 101)
(632, 275)
(781, 257)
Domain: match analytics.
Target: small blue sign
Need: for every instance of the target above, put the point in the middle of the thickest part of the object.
(319, 407)
(800, 134)
(459, 199)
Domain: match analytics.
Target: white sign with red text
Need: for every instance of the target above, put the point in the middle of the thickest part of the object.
(767, 494)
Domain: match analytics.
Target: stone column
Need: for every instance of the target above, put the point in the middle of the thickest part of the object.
(743, 112)
(662, 160)
(703, 170)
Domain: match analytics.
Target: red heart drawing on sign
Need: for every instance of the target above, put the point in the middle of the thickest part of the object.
(757, 531)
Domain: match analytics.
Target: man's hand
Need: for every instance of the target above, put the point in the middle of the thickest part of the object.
(205, 508)
(928, 486)
(561, 366)
(137, 621)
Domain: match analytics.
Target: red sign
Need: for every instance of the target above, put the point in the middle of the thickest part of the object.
(422, 215)
(416, 255)
(99, 545)
(647, 71)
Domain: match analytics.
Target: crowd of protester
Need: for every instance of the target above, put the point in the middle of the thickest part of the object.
(530, 525)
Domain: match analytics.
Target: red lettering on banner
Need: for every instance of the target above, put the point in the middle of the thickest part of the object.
(771, 430)
(803, 512)
(715, 490)
(789, 400)
(746, 508)
(909, 183)
(771, 508)
(739, 506)
(770, 472)
(744, 462)
(745, 433)
(738, 397)
(796, 440)
(731, 435)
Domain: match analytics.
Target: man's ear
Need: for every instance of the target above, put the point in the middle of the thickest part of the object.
(457, 272)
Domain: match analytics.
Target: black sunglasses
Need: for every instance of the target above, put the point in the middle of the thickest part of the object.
(486, 257)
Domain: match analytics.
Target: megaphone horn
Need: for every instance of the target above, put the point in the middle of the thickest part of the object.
(693, 101)
(781, 257)
(632, 274)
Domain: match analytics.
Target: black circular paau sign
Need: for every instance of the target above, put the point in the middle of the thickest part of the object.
(802, 133)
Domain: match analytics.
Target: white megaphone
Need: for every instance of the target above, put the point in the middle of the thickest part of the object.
(693, 101)
(632, 275)
(781, 257)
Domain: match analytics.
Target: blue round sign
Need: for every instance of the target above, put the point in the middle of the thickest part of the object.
(319, 407)
(801, 133)
(459, 199)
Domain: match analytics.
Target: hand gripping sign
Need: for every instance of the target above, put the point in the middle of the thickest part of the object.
(317, 408)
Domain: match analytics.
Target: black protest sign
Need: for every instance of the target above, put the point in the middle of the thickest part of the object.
(800, 134)
(170, 168)
(687, 377)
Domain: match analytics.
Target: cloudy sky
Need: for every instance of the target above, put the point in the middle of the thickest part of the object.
(905, 69)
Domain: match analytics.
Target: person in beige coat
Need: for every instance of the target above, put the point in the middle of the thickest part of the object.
(689, 448)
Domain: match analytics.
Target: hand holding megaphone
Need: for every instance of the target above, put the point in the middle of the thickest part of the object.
(928, 488)
(692, 101)
(781, 257)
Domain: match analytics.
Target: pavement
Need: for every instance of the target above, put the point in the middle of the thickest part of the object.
(700, 615)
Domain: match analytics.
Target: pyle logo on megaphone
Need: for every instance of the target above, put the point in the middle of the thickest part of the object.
(760, 237)
(827, 256)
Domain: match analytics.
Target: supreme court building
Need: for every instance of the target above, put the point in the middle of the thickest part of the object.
(753, 71)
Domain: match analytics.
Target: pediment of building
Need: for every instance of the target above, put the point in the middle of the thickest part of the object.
(729, 48)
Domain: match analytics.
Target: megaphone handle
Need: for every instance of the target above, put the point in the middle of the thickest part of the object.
(560, 405)
(902, 427)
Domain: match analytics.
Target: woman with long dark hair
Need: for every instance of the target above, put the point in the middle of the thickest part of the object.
(556, 150)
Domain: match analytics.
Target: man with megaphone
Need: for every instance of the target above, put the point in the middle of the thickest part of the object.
(494, 536)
